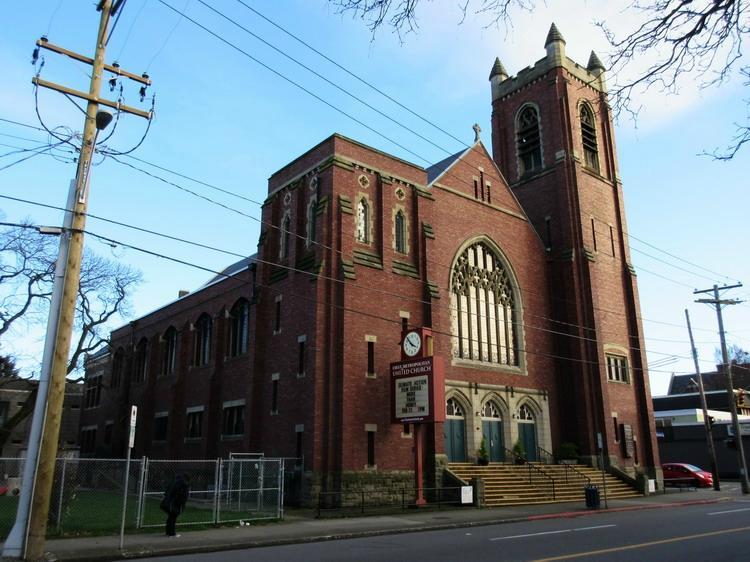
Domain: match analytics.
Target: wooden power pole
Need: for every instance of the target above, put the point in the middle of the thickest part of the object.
(95, 121)
(727, 368)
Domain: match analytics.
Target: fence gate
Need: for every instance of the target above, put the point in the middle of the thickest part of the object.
(251, 489)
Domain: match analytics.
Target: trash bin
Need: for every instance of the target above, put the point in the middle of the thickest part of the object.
(592, 496)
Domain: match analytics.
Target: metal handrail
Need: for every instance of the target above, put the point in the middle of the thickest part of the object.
(544, 453)
(570, 467)
(532, 467)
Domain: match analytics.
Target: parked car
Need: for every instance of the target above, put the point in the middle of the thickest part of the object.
(677, 473)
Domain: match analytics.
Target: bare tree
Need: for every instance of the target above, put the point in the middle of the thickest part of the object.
(736, 354)
(27, 263)
(401, 15)
(699, 40)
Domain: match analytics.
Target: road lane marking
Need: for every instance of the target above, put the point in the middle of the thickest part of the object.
(729, 511)
(552, 532)
(641, 545)
(591, 528)
(532, 535)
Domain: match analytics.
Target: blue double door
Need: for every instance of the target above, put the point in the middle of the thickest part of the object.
(492, 431)
(454, 438)
(527, 436)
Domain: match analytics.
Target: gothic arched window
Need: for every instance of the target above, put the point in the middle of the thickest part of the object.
(490, 410)
(202, 340)
(284, 236)
(528, 141)
(169, 351)
(239, 328)
(363, 221)
(483, 308)
(140, 361)
(588, 135)
(453, 408)
(400, 227)
(312, 221)
(525, 413)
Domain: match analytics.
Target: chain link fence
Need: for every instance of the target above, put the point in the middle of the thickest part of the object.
(88, 494)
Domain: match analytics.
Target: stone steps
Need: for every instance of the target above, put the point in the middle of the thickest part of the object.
(510, 484)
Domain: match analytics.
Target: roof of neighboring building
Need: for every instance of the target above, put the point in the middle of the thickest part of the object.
(714, 380)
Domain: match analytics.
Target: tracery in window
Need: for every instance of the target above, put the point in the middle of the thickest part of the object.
(525, 413)
(528, 141)
(588, 135)
(490, 410)
(363, 221)
(453, 408)
(483, 308)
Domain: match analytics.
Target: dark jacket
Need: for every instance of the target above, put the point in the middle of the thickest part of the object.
(176, 496)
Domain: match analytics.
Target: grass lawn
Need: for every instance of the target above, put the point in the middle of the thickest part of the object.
(99, 513)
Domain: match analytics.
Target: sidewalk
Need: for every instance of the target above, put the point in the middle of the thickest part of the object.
(301, 526)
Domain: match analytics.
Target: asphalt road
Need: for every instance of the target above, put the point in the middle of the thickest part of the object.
(695, 534)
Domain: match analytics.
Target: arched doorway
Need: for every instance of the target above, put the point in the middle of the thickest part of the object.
(492, 431)
(527, 432)
(454, 431)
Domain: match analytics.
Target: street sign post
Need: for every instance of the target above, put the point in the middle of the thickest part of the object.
(131, 443)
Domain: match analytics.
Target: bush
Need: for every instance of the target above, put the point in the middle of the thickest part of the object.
(567, 451)
(483, 456)
(519, 453)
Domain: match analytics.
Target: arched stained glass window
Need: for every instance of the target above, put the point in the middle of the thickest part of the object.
(400, 227)
(588, 135)
(363, 221)
(202, 340)
(528, 141)
(169, 351)
(312, 221)
(483, 308)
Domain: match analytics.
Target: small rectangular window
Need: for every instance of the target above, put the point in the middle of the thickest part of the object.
(476, 189)
(617, 368)
(277, 324)
(194, 429)
(616, 427)
(160, 428)
(407, 429)
(370, 357)
(481, 184)
(489, 192)
(404, 324)
(612, 239)
(370, 448)
(548, 225)
(233, 422)
(275, 396)
(301, 359)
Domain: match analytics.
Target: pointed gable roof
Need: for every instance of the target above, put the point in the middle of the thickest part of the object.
(437, 170)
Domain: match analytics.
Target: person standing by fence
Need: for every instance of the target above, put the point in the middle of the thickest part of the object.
(175, 498)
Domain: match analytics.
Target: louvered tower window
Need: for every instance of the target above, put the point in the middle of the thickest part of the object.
(528, 141)
(588, 135)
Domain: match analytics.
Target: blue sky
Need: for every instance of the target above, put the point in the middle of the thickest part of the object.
(224, 119)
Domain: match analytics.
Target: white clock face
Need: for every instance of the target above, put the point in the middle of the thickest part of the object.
(412, 344)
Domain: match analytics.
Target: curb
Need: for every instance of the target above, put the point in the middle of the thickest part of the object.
(107, 555)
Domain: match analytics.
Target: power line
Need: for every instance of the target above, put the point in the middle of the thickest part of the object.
(334, 280)
(352, 74)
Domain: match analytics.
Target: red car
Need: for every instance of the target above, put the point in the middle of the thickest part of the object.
(677, 473)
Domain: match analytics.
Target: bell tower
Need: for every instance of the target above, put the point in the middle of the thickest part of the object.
(552, 138)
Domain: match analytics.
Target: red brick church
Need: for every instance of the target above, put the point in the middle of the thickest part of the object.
(515, 257)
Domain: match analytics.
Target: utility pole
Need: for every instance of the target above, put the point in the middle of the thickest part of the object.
(27, 537)
(727, 368)
(706, 419)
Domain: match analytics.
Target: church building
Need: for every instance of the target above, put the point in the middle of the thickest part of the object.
(514, 256)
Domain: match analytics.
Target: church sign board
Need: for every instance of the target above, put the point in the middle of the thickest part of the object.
(417, 391)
